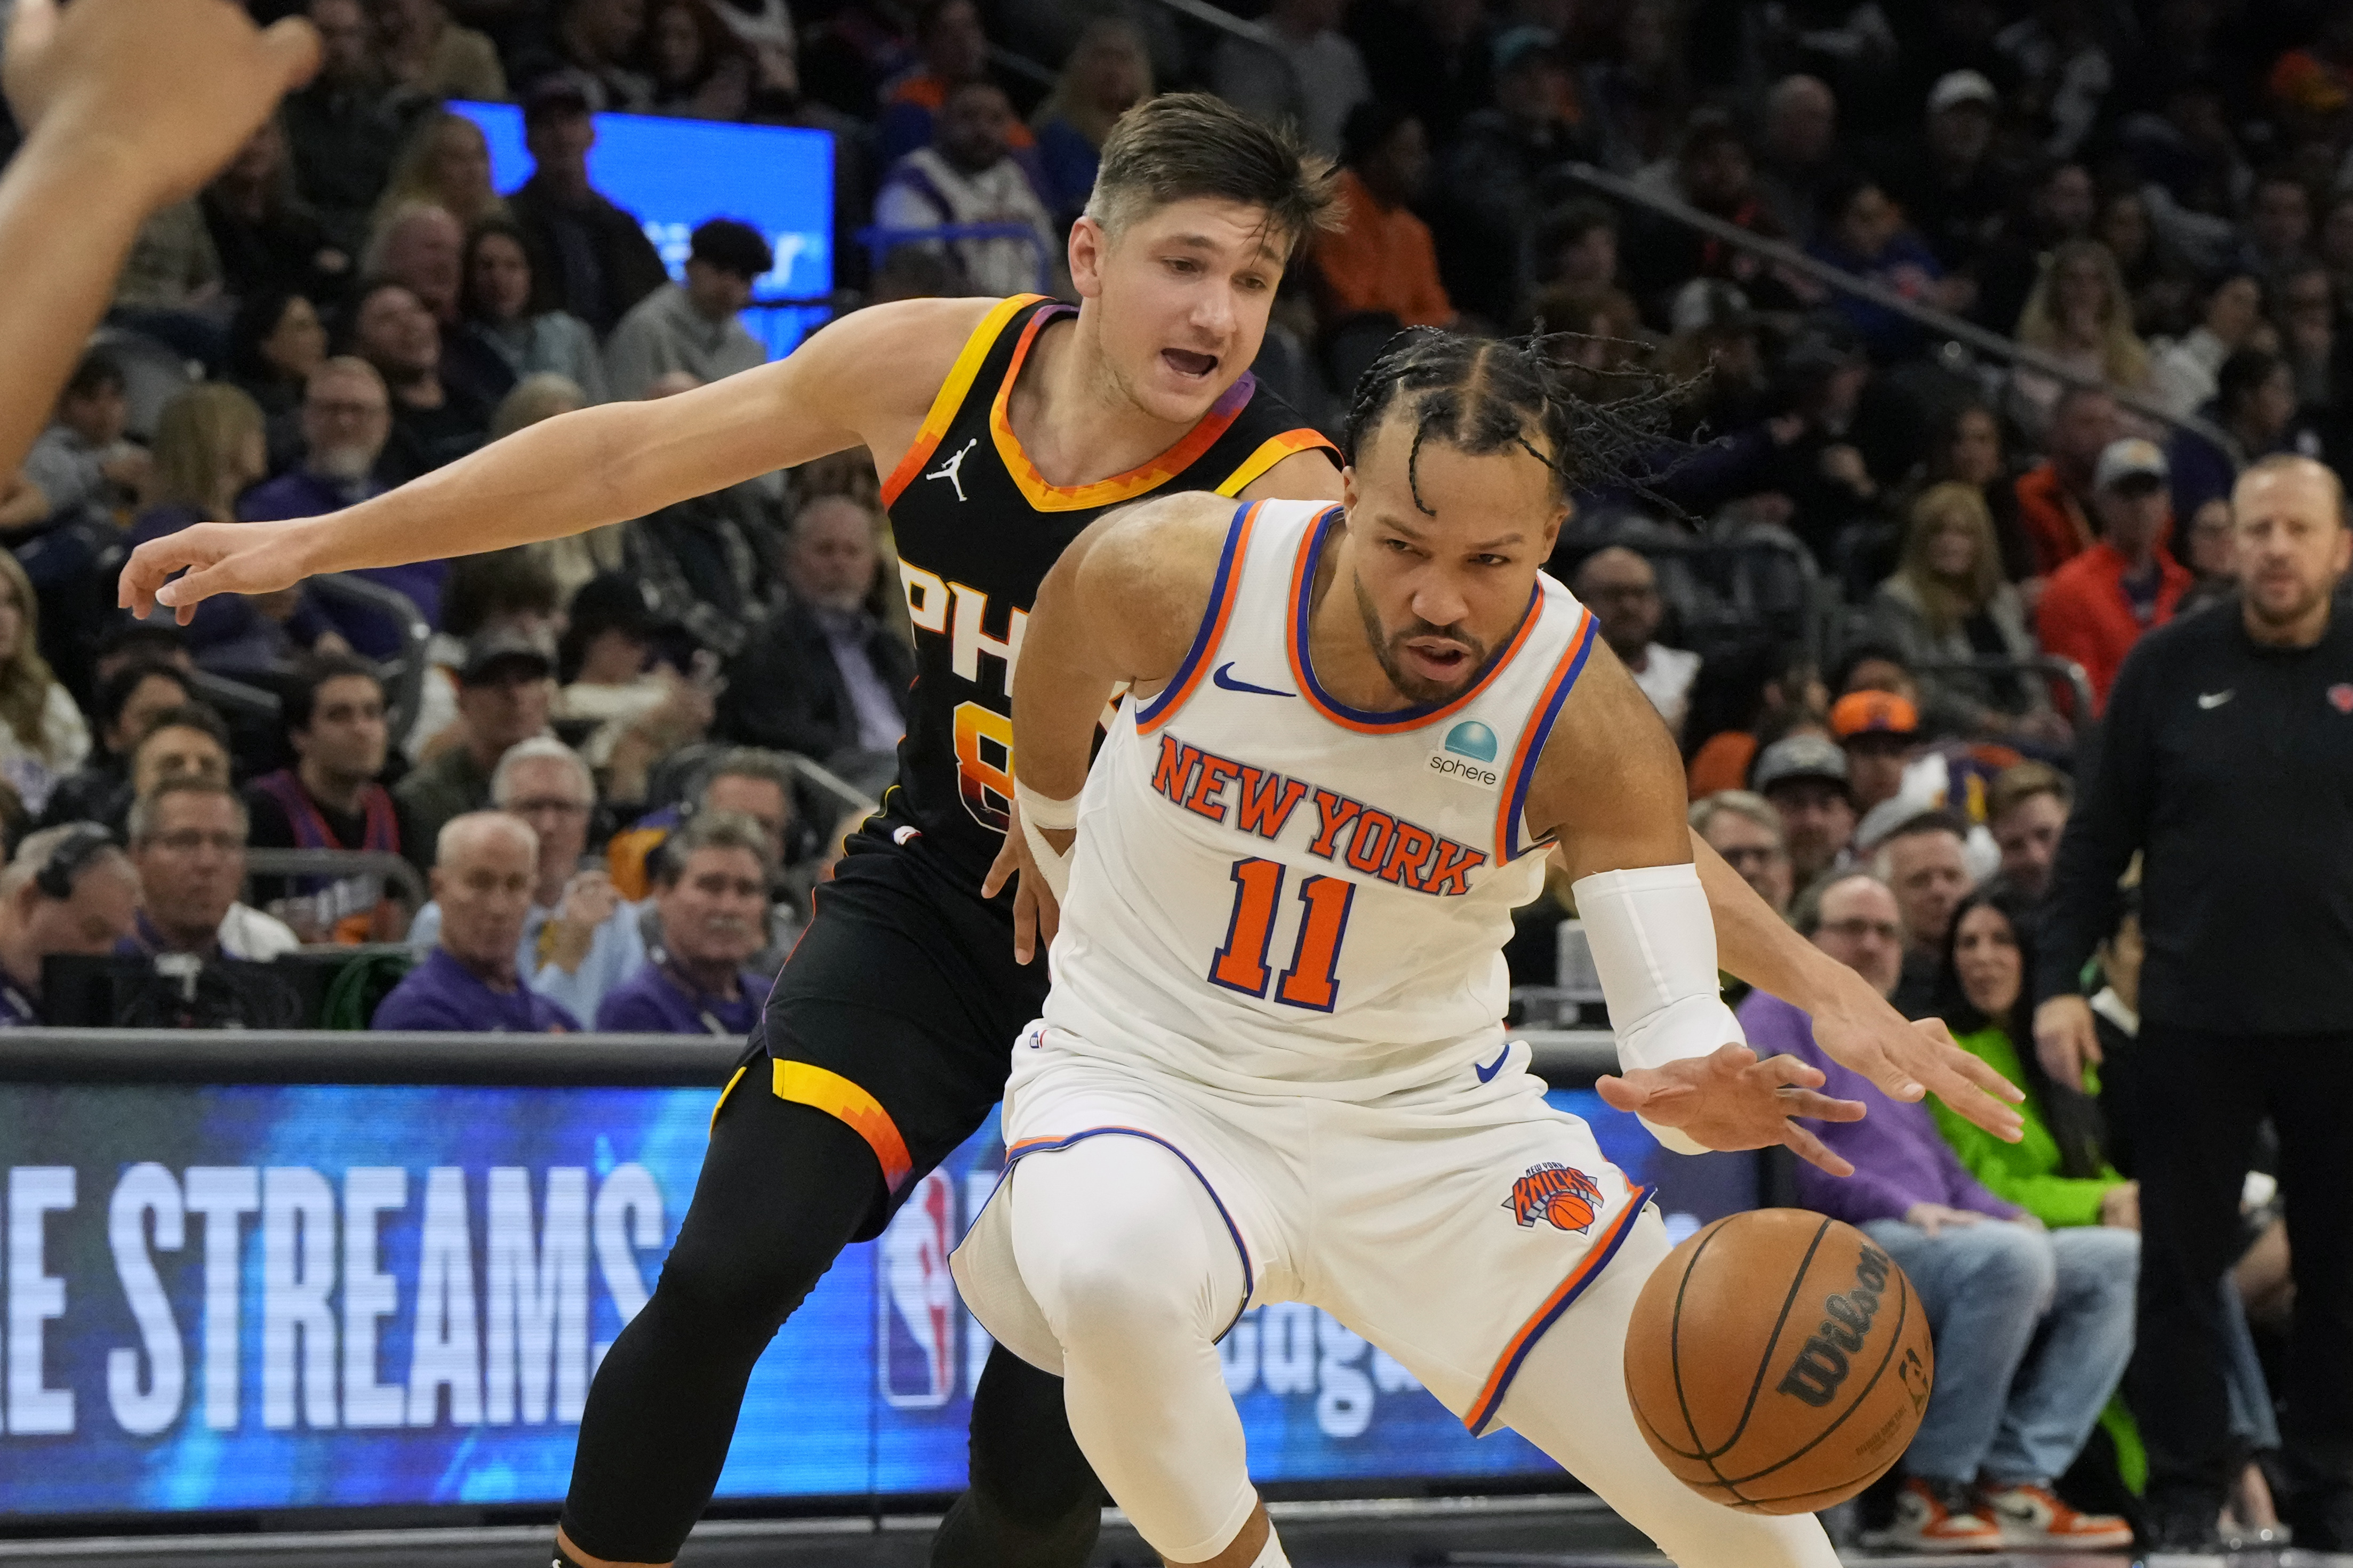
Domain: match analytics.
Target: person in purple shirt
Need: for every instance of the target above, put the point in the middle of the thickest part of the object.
(346, 420)
(710, 888)
(2032, 1327)
(485, 866)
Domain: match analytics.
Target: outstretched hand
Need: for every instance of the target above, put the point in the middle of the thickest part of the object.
(1037, 916)
(1906, 1060)
(166, 90)
(1730, 1100)
(219, 558)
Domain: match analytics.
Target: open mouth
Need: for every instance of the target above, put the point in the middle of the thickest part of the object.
(1186, 363)
(1438, 661)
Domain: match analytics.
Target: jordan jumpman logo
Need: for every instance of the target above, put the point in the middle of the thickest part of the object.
(947, 470)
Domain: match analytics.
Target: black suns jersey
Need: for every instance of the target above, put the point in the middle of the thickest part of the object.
(976, 528)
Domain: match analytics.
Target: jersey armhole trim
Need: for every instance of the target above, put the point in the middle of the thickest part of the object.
(952, 392)
(1484, 1409)
(1222, 591)
(1271, 451)
(1530, 754)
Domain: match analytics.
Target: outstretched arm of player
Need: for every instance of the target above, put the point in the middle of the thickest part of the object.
(1120, 607)
(127, 105)
(867, 379)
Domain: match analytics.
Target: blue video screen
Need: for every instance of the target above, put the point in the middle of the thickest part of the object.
(288, 1297)
(676, 175)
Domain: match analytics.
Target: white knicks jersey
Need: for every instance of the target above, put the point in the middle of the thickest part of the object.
(1275, 892)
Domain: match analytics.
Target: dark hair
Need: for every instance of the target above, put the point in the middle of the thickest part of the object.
(2073, 1117)
(1484, 395)
(300, 696)
(494, 227)
(1184, 146)
(186, 716)
(1368, 128)
(609, 602)
(1949, 430)
(732, 246)
(114, 692)
(97, 373)
(124, 636)
(1856, 654)
(1919, 826)
(2243, 375)
(1566, 224)
(499, 583)
(256, 321)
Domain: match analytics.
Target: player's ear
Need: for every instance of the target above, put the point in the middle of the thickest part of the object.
(1089, 246)
(1553, 526)
(1348, 486)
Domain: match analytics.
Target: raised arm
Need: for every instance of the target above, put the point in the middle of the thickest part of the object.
(868, 379)
(127, 105)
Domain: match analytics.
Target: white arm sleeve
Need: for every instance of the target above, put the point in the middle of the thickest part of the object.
(1654, 947)
(1038, 813)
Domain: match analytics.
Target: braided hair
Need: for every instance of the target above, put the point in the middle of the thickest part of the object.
(1485, 395)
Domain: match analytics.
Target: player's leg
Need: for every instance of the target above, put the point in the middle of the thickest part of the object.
(1033, 1501)
(1135, 1270)
(783, 1190)
(1569, 1399)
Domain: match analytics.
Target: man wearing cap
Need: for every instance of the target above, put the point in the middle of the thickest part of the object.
(483, 867)
(2098, 604)
(588, 256)
(1493, 176)
(1804, 777)
(693, 326)
(505, 688)
(1951, 190)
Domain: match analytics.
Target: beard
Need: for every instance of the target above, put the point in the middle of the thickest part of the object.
(1388, 648)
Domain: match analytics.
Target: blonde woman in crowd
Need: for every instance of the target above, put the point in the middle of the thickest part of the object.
(2079, 314)
(42, 735)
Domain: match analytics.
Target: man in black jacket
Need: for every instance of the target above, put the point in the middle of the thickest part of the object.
(587, 256)
(2228, 753)
(823, 676)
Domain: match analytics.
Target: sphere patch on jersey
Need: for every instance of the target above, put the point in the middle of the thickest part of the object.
(1472, 739)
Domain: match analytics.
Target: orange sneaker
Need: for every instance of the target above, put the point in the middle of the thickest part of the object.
(1940, 1516)
(2033, 1517)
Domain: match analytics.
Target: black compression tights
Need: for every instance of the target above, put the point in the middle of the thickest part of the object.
(783, 1190)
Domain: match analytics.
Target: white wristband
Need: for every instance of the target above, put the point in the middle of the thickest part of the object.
(1061, 815)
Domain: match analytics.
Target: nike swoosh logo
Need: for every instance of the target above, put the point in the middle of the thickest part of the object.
(2216, 698)
(1225, 678)
(1492, 1069)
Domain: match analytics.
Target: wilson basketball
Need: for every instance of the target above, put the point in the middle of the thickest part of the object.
(1778, 1362)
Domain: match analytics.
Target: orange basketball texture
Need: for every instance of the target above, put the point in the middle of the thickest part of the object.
(1778, 1362)
(1569, 1211)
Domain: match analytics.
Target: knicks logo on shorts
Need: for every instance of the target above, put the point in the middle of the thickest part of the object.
(1561, 1194)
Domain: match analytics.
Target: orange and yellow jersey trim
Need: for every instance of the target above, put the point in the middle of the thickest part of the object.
(952, 392)
(803, 1083)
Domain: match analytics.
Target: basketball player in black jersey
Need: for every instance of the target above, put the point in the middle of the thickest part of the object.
(1006, 427)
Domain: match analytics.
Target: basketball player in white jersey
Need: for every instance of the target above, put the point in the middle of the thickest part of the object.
(1270, 1067)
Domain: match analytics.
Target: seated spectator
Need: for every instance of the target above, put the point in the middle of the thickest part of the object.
(1803, 778)
(346, 421)
(2026, 812)
(169, 289)
(588, 257)
(1925, 863)
(823, 676)
(695, 326)
(1575, 246)
(711, 890)
(505, 341)
(1863, 233)
(2054, 497)
(2098, 604)
(185, 742)
(484, 866)
(1494, 175)
(2080, 314)
(83, 459)
(1746, 830)
(1747, 704)
(1797, 155)
(1965, 449)
(1947, 602)
(2032, 1328)
(188, 840)
(2061, 206)
(2277, 228)
(1380, 265)
(42, 736)
(130, 700)
(952, 52)
(448, 163)
(432, 423)
(580, 939)
(968, 175)
(2212, 553)
(504, 687)
(274, 345)
(2254, 402)
(1621, 589)
(695, 65)
(1880, 733)
(1311, 76)
(1108, 73)
(746, 782)
(427, 52)
(345, 127)
(69, 891)
(128, 642)
(708, 563)
(331, 799)
(2308, 338)
(1954, 189)
(269, 240)
(420, 245)
(2230, 319)
(508, 591)
(1713, 173)
(642, 712)
(593, 47)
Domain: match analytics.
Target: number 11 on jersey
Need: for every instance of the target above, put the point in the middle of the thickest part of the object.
(1241, 965)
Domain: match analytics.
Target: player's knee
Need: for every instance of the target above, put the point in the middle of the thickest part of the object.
(1115, 1296)
(746, 1293)
(2011, 1262)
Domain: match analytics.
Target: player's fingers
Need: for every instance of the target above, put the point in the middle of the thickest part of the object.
(1025, 922)
(1822, 1107)
(1786, 1069)
(291, 46)
(1000, 869)
(2087, 1043)
(1050, 916)
(1812, 1149)
(1619, 1095)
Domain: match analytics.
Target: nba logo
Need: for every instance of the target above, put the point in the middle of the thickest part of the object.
(916, 1303)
